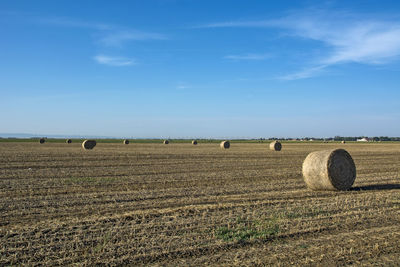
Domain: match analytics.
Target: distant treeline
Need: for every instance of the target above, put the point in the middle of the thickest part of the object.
(341, 138)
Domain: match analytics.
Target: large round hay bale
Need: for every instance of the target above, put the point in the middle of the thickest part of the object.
(329, 170)
(42, 140)
(343, 142)
(194, 142)
(68, 141)
(275, 146)
(166, 142)
(225, 144)
(126, 142)
(89, 144)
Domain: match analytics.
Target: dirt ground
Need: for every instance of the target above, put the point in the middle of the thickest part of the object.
(180, 204)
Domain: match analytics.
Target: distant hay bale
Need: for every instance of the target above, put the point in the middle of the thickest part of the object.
(343, 142)
(275, 146)
(194, 142)
(166, 142)
(42, 140)
(89, 144)
(68, 141)
(329, 170)
(126, 142)
(225, 144)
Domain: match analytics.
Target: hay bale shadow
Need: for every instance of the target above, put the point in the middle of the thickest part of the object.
(376, 187)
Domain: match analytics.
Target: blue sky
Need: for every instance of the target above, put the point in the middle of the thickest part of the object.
(191, 68)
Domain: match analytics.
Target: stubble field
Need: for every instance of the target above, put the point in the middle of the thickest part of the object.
(179, 204)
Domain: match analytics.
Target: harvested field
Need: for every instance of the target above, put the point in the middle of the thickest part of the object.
(151, 204)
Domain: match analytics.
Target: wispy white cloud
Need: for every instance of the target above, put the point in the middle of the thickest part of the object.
(107, 34)
(114, 61)
(244, 24)
(305, 73)
(349, 37)
(183, 86)
(248, 57)
(75, 23)
(117, 38)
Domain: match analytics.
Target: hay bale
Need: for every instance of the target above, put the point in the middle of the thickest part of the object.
(42, 140)
(275, 146)
(225, 144)
(68, 141)
(343, 142)
(126, 142)
(329, 170)
(166, 142)
(194, 142)
(89, 144)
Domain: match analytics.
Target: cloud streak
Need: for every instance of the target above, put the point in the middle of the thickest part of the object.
(114, 61)
(349, 37)
(183, 86)
(75, 23)
(242, 24)
(108, 34)
(248, 57)
(303, 74)
(117, 38)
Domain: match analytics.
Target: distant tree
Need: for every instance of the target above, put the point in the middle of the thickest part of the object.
(337, 138)
(384, 138)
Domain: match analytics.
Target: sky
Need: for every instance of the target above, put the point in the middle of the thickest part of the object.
(200, 69)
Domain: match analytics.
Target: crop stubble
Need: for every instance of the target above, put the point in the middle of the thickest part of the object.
(193, 205)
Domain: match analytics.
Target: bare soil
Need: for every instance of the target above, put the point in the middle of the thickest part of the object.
(151, 204)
